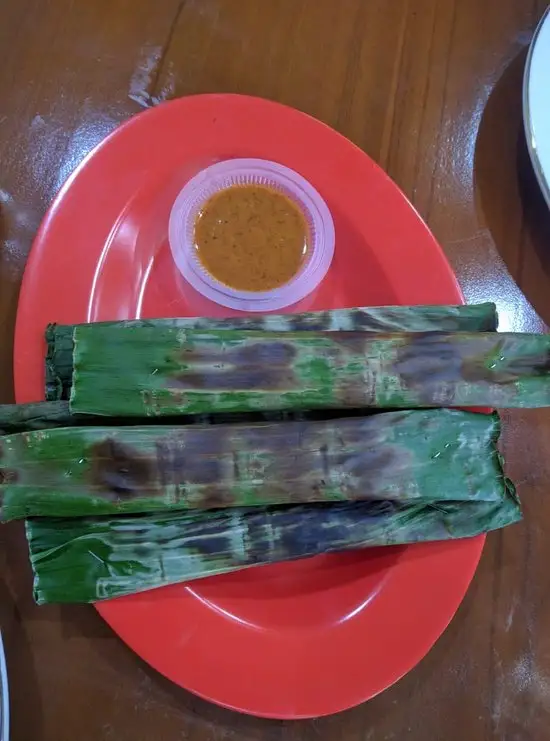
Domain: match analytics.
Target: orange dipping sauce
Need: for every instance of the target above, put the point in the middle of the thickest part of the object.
(251, 238)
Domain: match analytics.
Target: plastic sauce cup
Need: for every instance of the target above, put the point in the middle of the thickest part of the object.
(235, 172)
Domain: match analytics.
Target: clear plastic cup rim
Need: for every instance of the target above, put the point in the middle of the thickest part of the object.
(234, 172)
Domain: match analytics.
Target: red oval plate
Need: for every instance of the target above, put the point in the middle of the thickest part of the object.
(294, 640)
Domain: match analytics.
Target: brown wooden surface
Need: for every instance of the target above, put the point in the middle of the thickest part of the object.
(431, 89)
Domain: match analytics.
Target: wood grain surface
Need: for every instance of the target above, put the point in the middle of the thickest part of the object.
(431, 89)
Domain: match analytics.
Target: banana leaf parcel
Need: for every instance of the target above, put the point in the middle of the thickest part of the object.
(35, 416)
(475, 318)
(408, 456)
(153, 371)
(89, 559)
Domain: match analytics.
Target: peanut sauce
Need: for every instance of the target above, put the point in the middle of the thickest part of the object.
(251, 237)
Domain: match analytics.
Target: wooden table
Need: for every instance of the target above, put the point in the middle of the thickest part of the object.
(431, 89)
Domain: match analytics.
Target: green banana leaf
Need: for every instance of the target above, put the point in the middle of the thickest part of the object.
(475, 318)
(408, 456)
(89, 559)
(153, 371)
(43, 415)
(37, 416)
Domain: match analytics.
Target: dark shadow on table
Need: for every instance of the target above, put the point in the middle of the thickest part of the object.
(507, 191)
(25, 691)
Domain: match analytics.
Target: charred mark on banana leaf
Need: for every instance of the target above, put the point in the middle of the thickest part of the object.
(7, 475)
(314, 322)
(371, 459)
(259, 538)
(120, 472)
(428, 358)
(355, 393)
(195, 458)
(214, 496)
(261, 365)
(503, 366)
(368, 467)
(344, 343)
(307, 539)
(214, 537)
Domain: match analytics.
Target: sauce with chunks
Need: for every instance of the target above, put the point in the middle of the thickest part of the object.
(251, 238)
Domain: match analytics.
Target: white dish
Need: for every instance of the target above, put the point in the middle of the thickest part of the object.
(536, 103)
(4, 698)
